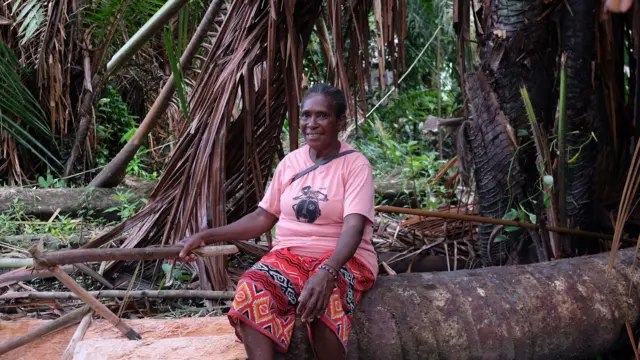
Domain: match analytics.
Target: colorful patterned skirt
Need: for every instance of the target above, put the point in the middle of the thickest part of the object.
(267, 295)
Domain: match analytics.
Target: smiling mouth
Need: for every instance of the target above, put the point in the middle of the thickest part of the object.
(313, 136)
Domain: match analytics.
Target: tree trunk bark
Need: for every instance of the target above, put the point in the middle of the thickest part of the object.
(43, 203)
(565, 309)
(516, 50)
(577, 41)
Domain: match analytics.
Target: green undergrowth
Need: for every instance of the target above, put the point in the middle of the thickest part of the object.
(401, 152)
(65, 228)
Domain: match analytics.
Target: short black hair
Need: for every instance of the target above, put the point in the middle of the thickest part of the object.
(339, 100)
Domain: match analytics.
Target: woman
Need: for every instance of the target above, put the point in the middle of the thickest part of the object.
(322, 260)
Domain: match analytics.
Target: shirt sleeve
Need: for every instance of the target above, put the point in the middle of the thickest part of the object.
(271, 200)
(359, 193)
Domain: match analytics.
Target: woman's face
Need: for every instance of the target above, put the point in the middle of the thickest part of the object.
(318, 122)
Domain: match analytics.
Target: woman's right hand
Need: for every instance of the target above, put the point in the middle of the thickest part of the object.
(188, 244)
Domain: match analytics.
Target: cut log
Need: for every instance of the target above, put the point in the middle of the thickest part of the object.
(43, 203)
(555, 310)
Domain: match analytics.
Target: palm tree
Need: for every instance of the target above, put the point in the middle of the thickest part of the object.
(560, 162)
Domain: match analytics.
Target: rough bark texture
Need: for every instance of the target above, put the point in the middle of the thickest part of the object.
(514, 52)
(577, 41)
(560, 310)
(497, 174)
(43, 203)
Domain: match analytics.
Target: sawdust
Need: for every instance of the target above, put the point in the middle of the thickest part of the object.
(184, 331)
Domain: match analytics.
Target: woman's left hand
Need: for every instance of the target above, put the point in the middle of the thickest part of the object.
(315, 296)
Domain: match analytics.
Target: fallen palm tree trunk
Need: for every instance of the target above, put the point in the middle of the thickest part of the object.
(44, 203)
(555, 310)
(161, 294)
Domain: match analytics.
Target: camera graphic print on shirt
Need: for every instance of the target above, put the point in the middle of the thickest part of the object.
(307, 209)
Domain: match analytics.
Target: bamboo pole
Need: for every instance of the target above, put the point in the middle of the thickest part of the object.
(97, 255)
(77, 337)
(482, 219)
(113, 173)
(57, 324)
(14, 263)
(96, 305)
(137, 41)
(161, 294)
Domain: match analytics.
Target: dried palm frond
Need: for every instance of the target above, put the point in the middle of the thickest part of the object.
(250, 81)
(176, 209)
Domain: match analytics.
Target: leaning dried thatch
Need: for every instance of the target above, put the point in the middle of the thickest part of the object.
(249, 83)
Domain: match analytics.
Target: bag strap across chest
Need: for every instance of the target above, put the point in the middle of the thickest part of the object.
(320, 163)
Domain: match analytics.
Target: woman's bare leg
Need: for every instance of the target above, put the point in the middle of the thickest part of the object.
(325, 342)
(258, 346)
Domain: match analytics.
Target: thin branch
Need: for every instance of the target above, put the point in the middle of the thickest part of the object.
(482, 219)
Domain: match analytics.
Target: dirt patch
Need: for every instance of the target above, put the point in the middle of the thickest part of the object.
(52, 346)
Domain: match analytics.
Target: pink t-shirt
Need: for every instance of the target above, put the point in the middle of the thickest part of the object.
(311, 209)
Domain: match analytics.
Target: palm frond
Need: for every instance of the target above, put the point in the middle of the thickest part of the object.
(20, 114)
(29, 16)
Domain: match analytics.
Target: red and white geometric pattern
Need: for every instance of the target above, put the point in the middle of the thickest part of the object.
(267, 295)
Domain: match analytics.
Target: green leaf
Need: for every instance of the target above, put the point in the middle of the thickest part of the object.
(511, 228)
(26, 10)
(17, 102)
(177, 273)
(512, 214)
(112, 209)
(499, 238)
(547, 200)
(547, 180)
(16, 4)
(166, 267)
(33, 26)
(523, 132)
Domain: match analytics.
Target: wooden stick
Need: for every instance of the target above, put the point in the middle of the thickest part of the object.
(90, 272)
(482, 219)
(57, 324)
(97, 255)
(77, 337)
(13, 276)
(162, 294)
(96, 305)
(14, 263)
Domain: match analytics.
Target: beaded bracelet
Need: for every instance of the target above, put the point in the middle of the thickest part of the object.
(330, 270)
